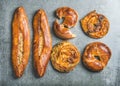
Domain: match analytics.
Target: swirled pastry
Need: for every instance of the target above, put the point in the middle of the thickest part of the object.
(65, 56)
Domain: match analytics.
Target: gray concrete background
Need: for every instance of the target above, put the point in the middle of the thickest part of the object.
(80, 76)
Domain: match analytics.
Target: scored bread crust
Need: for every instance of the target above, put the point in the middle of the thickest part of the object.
(20, 41)
(42, 42)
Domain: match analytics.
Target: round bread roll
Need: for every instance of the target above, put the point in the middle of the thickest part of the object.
(96, 56)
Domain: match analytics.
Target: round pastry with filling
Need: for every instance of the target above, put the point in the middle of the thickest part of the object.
(95, 25)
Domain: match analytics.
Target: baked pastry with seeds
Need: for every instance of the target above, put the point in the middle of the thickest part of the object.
(20, 41)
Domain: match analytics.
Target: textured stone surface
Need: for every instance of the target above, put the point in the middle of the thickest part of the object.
(110, 76)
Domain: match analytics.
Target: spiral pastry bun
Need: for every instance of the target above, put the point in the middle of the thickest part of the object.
(65, 56)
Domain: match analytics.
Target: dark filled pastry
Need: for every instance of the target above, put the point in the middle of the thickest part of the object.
(95, 25)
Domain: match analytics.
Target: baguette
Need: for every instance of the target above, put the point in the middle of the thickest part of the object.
(42, 42)
(20, 41)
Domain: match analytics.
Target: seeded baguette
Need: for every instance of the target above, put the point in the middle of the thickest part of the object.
(20, 41)
(65, 56)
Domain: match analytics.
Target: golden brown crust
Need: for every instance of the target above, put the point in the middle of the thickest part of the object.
(95, 25)
(20, 41)
(70, 19)
(70, 15)
(62, 31)
(42, 41)
(96, 56)
(65, 56)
